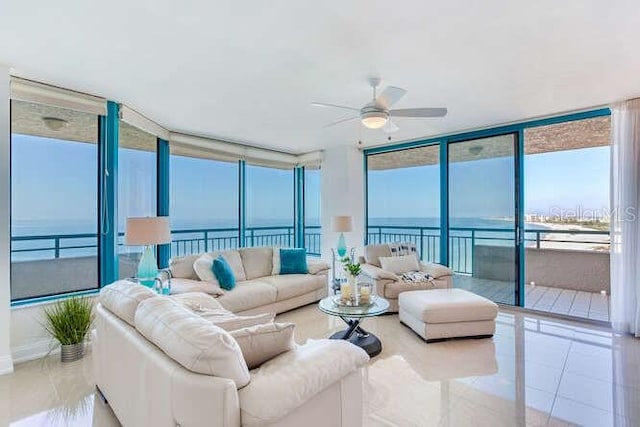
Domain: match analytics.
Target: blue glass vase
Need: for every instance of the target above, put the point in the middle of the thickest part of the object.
(342, 246)
(148, 268)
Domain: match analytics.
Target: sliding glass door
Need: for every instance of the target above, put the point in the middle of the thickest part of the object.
(483, 220)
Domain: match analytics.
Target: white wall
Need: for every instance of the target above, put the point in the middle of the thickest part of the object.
(342, 194)
(6, 363)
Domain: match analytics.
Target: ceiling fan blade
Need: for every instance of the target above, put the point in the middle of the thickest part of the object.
(389, 96)
(337, 122)
(324, 104)
(390, 127)
(419, 112)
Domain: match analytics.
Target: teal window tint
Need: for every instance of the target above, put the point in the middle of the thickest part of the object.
(269, 206)
(54, 206)
(403, 203)
(137, 189)
(312, 209)
(204, 194)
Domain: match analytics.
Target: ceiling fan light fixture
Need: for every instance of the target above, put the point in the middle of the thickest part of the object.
(374, 119)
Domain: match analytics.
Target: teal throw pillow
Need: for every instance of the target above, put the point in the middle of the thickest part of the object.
(293, 261)
(223, 272)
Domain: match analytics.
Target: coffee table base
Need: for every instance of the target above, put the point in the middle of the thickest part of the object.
(358, 336)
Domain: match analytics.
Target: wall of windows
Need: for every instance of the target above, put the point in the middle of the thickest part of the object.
(312, 209)
(505, 193)
(403, 200)
(137, 188)
(82, 165)
(269, 206)
(204, 195)
(54, 207)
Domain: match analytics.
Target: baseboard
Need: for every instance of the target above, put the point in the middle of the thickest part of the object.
(34, 350)
(6, 365)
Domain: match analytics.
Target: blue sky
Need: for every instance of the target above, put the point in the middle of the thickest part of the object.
(203, 190)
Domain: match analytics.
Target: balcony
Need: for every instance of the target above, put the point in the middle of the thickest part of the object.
(566, 269)
(49, 264)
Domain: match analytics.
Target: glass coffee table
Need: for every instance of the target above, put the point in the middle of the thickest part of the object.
(353, 316)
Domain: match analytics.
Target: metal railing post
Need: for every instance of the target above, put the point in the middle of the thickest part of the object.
(57, 247)
(379, 234)
(251, 236)
(537, 239)
(473, 246)
(206, 241)
(422, 245)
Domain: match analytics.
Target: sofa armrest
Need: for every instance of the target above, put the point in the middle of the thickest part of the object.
(435, 270)
(376, 273)
(317, 266)
(295, 377)
(203, 400)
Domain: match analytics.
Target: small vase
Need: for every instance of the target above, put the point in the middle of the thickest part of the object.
(353, 282)
(71, 352)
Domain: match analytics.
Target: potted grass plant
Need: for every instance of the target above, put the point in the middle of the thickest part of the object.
(68, 321)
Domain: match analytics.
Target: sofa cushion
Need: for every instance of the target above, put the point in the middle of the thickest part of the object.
(293, 261)
(435, 270)
(181, 286)
(223, 272)
(293, 285)
(197, 301)
(372, 253)
(190, 340)
(317, 266)
(257, 262)
(295, 377)
(400, 264)
(447, 306)
(122, 298)
(182, 267)
(203, 267)
(261, 343)
(247, 295)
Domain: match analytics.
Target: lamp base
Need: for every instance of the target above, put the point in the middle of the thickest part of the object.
(148, 268)
(342, 246)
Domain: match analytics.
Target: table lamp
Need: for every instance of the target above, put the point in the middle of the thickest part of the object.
(147, 231)
(342, 224)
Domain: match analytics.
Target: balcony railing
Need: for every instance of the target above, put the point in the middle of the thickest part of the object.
(463, 240)
(185, 242)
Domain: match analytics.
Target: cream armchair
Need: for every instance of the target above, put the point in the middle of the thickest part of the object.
(390, 285)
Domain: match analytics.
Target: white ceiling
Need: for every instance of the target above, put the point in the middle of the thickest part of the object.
(246, 71)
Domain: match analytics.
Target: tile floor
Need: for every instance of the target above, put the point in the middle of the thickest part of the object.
(534, 372)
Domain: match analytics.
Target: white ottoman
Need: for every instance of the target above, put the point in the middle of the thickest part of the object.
(436, 314)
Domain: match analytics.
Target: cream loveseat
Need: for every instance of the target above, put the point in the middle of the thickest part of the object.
(158, 364)
(390, 285)
(259, 286)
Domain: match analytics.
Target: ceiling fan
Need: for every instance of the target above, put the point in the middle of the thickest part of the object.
(377, 113)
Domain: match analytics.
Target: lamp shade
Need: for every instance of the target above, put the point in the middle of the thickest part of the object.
(342, 224)
(147, 231)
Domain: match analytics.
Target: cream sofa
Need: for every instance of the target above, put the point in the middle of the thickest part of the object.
(146, 384)
(390, 285)
(258, 290)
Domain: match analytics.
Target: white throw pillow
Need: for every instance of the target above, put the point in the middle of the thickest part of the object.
(264, 342)
(122, 298)
(190, 340)
(400, 264)
(276, 262)
(203, 267)
(181, 286)
(231, 322)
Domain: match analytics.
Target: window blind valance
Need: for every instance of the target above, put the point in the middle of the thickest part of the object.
(39, 93)
(195, 146)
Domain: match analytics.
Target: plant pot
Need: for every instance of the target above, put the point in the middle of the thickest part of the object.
(72, 352)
